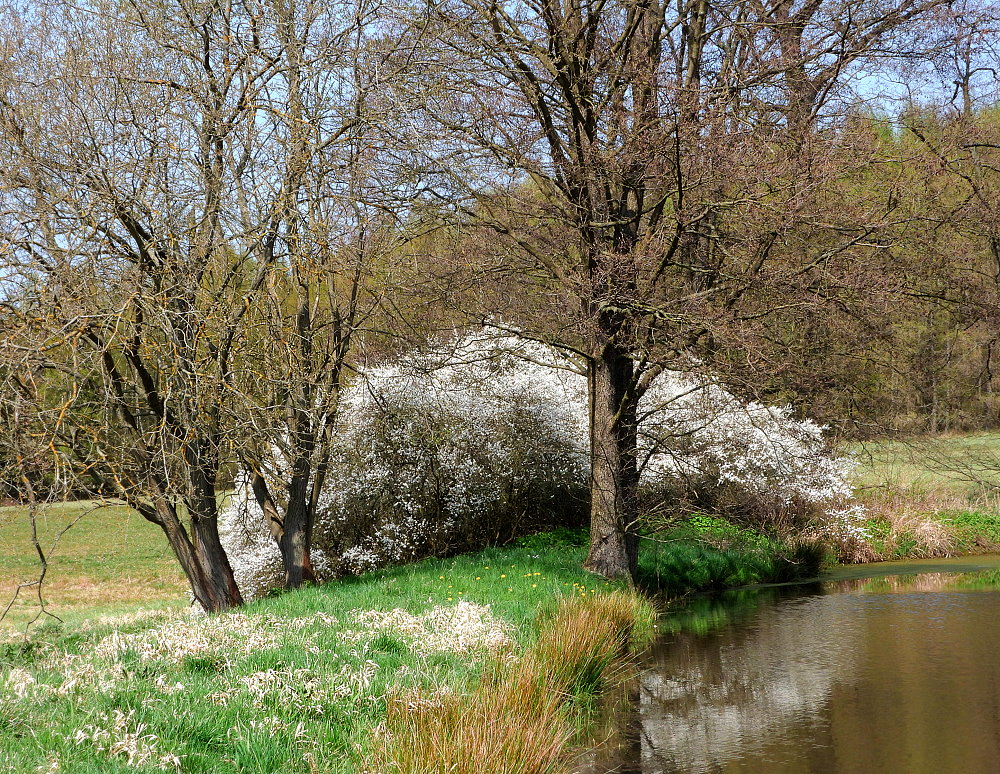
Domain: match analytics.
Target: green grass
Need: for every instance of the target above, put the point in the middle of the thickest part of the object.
(706, 553)
(962, 466)
(102, 560)
(305, 697)
(937, 496)
(519, 720)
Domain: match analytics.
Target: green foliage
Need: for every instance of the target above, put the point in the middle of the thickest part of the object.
(708, 552)
(974, 529)
(560, 537)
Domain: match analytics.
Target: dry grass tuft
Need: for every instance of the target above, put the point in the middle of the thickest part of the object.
(584, 638)
(516, 721)
(907, 523)
(512, 728)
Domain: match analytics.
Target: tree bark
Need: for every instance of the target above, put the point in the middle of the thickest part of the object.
(614, 473)
(202, 558)
(295, 537)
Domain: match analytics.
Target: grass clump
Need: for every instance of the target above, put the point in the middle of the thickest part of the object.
(921, 524)
(518, 719)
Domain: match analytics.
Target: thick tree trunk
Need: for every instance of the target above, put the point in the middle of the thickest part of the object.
(218, 585)
(293, 532)
(295, 537)
(202, 558)
(614, 475)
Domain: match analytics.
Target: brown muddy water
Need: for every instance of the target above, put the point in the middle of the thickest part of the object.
(884, 669)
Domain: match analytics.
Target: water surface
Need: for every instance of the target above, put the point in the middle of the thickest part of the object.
(895, 674)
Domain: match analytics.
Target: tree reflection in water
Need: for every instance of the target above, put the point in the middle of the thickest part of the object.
(893, 674)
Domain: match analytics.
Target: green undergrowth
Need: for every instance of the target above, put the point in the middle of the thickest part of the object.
(928, 497)
(974, 529)
(298, 682)
(705, 553)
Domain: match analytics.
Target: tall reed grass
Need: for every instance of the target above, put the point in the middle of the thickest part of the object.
(518, 719)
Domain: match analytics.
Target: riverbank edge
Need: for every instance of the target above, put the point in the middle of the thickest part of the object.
(547, 588)
(323, 670)
(523, 716)
(900, 527)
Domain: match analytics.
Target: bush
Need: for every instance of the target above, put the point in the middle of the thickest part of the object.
(441, 452)
(452, 450)
(704, 449)
(454, 459)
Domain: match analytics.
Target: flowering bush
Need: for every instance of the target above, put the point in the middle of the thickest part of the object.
(437, 453)
(703, 447)
(450, 450)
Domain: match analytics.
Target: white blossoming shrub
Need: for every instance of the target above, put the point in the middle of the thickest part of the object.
(451, 453)
(451, 450)
(704, 448)
(440, 452)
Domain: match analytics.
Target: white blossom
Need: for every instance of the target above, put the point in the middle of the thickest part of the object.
(444, 442)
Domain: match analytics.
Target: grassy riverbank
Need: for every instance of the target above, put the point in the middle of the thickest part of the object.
(342, 677)
(328, 679)
(929, 497)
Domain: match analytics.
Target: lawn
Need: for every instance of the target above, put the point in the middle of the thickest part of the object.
(102, 560)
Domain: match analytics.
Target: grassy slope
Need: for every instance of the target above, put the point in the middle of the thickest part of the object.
(168, 681)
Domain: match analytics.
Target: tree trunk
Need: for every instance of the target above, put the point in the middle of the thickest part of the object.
(219, 586)
(614, 475)
(293, 533)
(295, 537)
(203, 559)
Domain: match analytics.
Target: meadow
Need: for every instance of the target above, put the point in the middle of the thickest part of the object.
(329, 678)
(928, 497)
(102, 560)
(961, 466)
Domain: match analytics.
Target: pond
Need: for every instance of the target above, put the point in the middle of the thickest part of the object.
(889, 668)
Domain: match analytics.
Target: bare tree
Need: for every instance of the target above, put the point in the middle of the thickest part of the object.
(188, 250)
(328, 238)
(659, 165)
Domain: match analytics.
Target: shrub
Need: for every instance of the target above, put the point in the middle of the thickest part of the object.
(453, 449)
(442, 454)
(705, 449)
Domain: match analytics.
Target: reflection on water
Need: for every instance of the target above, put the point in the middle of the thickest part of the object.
(892, 674)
